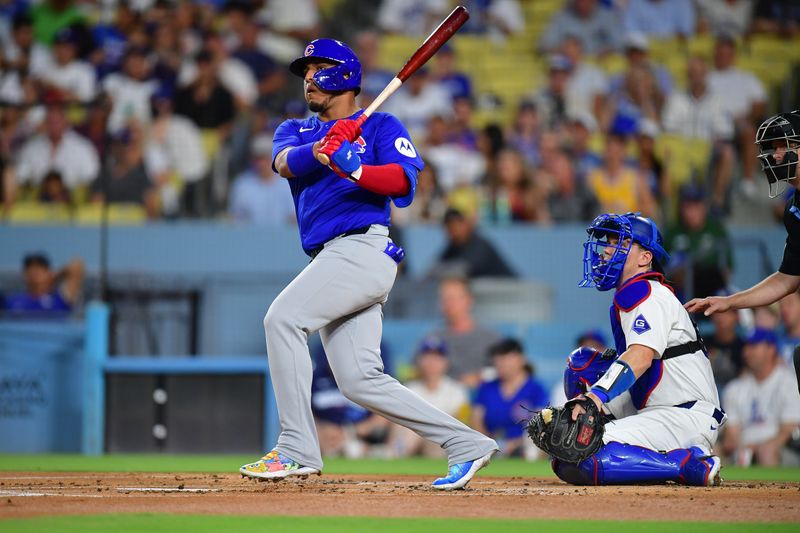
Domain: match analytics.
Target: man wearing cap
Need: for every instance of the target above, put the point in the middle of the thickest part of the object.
(46, 292)
(258, 195)
(594, 24)
(742, 97)
(660, 19)
(763, 405)
(434, 386)
(701, 251)
(695, 114)
(551, 100)
(70, 77)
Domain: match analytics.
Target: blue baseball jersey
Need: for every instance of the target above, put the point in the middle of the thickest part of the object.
(503, 415)
(24, 303)
(327, 205)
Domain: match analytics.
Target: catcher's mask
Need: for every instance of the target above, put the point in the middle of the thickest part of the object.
(778, 140)
(618, 233)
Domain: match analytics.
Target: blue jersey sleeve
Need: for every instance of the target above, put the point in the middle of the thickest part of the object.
(286, 136)
(393, 145)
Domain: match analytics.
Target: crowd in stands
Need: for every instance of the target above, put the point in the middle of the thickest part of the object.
(165, 109)
(162, 105)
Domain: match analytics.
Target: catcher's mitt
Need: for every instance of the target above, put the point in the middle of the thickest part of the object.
(553, 430)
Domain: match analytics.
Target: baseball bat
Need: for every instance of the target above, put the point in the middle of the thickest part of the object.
(435, 40)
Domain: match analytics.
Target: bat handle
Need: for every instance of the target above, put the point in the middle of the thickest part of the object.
(323, 158)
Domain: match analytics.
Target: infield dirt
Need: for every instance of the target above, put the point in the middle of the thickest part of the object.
(25, 494)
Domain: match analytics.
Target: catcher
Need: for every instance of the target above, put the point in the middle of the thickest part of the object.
(663, 376)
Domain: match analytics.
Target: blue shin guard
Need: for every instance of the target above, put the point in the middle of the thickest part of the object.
(625, 464)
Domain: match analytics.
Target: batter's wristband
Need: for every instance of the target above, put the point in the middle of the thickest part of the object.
(301, 160)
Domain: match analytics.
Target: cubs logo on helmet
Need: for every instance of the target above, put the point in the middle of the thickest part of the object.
(345, 75)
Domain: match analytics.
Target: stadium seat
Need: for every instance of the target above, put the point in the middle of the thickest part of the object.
(684, 158)
(118, 214)
(39, 213)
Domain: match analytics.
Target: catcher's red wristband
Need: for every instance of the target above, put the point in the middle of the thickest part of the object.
(389, 180)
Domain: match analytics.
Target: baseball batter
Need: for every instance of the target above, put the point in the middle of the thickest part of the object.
(663, 370)
(778, 140)
(343, 216)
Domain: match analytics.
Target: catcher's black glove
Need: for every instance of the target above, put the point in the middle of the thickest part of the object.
(553, 430)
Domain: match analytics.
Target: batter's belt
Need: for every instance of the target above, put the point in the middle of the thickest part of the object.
(356, 231)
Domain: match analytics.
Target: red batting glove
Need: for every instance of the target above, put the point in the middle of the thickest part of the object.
(330, 143)
(349, 129)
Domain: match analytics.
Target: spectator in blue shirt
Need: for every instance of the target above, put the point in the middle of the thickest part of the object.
(445, 72)
(596, 26)
(46, 293)
(502, 403)
(258, 195)
(660, 19)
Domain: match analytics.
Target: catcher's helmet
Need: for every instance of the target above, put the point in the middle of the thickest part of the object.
(626, 229)
(344, 76)
(584, 367)
(778, 140)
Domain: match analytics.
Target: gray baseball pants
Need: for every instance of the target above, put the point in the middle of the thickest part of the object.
(341, 293)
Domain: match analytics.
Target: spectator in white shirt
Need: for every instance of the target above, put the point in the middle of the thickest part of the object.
(57, 148)
(743, 98)
(718, 16)
(174, 153)
(130, 91)
(763, 405)
(72, 78)
(587, 85)
(437, 388)
(23, 52)
(233, 74)
(695, 113)
(419, 100)
(259, 196)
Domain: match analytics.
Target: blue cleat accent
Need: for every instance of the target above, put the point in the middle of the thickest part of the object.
(459, 475)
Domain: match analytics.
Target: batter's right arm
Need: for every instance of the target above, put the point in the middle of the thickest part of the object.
(300, 159)
(770, 290)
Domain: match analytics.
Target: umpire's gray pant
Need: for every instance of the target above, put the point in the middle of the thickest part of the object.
(341, 293)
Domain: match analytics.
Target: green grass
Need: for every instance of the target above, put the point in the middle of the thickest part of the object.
(231, 463)
(210, 523)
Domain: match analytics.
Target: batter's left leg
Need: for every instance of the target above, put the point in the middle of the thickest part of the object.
(352, 345)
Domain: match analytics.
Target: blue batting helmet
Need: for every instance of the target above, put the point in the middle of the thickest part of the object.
(344, 76)
(618, 232)
(584, 367)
